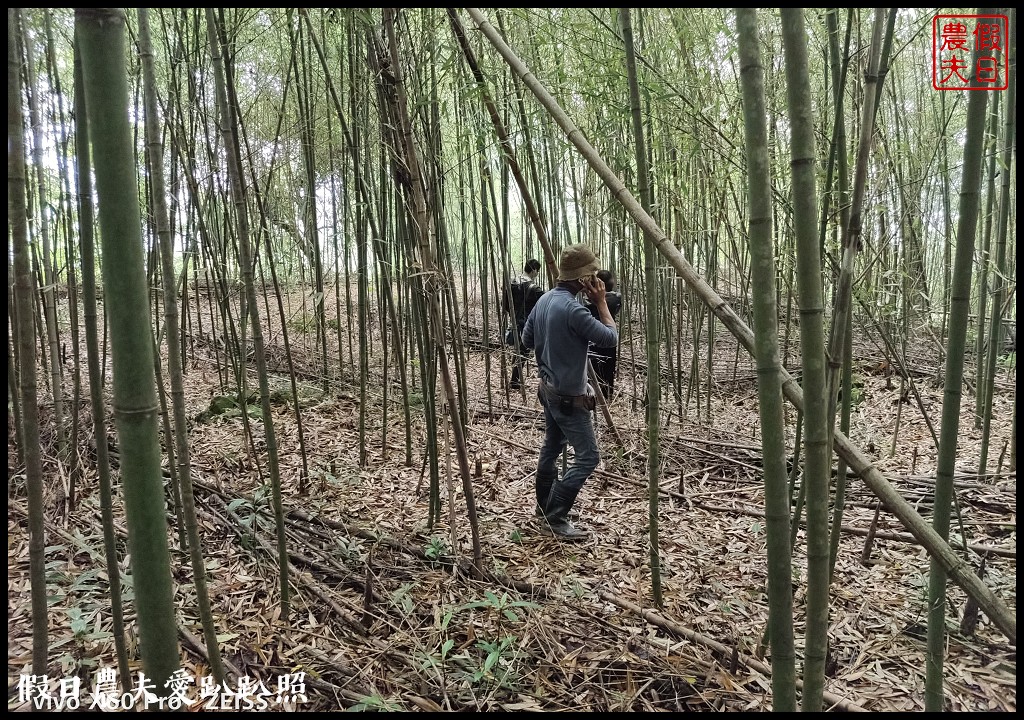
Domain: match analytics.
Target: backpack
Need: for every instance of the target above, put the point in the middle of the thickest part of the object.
(525, 295)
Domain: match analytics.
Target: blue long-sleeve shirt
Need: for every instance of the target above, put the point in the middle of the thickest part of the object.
(559, 330)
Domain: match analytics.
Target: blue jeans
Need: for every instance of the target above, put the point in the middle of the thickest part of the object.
(560, 429)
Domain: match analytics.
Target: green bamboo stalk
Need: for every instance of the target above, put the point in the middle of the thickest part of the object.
(13, 393)
(362, 293)
(226, 107)
(83, 160)
(983, 261)
(485, 256)
(838, 156)
(653, 324)
(769, 383)
(101, 34)
(999, 270)
(181, 441)
(949, 433)
(817, 453)
(852, 230)
(17, 213)
(46, 260)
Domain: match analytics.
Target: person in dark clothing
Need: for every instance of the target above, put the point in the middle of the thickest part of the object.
(605, 359)
(560, 329)
(522, 294)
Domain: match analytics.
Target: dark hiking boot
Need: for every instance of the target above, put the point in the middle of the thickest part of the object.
(516, 381)
(556, 521)
(562, 530)
(542, 487)
(573, 514)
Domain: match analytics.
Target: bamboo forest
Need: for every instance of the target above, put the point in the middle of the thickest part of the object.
(313, 403)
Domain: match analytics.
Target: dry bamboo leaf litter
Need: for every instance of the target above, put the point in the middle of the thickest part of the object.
(572, 650)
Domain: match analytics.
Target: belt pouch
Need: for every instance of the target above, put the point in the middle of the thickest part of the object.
(566, 404)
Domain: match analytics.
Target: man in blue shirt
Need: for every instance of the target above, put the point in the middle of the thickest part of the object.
(559, 330)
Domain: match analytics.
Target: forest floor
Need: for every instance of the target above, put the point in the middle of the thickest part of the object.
(387, 612)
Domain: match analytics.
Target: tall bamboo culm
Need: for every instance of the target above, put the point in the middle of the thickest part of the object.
(960, 297)
(86, 217)
(228, 116)
(159, 214)
(17, 209)
(769, 385)
(817, 453)
(101, 34)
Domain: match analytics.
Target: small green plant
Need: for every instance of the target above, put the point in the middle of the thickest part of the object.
(495, 650)
(375, 703)
(249, 513)
(856, 395)
(351, 550)
(402, 600)
(504, 605)
(438, 658)
(436, 549)
(85, 630)
(79, 623)
(127, 588)
(577, 588)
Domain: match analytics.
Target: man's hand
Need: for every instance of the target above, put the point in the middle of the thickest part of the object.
(594, 289)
